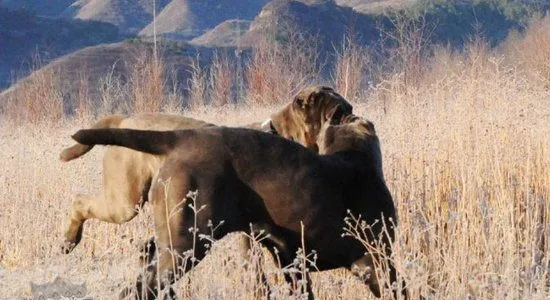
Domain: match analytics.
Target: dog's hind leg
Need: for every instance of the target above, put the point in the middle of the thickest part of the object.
(254, 263)
(295, 278)
(364, 268)
(79, 213)
(148, 251)
(178, 221)
(125, 184)
(86, 207)
(285, 254)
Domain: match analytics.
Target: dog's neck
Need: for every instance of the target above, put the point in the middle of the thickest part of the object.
(284, 124)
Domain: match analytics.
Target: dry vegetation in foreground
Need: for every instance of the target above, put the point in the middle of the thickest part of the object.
(465, 155)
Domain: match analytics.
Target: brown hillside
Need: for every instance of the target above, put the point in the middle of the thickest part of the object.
(228, 33)
(130, 16)
(185, 19)
(324, 19)
(24, 35)
(366, 6)
(93, 65)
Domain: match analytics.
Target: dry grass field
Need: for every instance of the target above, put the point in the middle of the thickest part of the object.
(466, 152)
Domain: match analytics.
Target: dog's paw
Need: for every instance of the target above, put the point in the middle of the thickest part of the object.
(67, 247)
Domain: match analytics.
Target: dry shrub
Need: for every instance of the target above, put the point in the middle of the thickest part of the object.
(479, 59)
(147, 80)
(406, 45)
(173, 99)
(350, 68)
(281, 65)
(222, 80)
(143, 88)
(197, 85)
(211, 85)
(37, 98)
(466, 159)
(84, 107)
(530, 50)
(113, 94)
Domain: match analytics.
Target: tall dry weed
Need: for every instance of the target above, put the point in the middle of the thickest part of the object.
(197, 85)
(113, 94)
(280, 66)
(351, 68)
(466, 162)
(38, 98)
(405, 45)
(147, 80)
(222, 80)
(530, 50)
(84, 108)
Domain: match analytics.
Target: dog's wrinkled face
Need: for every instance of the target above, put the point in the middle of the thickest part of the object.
(314, 106)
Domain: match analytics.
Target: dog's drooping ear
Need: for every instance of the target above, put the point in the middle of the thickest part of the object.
(298, 101)
(308, 97)
(303, 101)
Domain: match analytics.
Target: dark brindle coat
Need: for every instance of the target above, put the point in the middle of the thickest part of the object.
(245, 176)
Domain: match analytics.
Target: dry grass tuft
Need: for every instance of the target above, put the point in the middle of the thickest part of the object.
(280, 66)
(147, 83)
(222, 80)
(531, 49)
(351, 69)
(197, 85)
(40, 100)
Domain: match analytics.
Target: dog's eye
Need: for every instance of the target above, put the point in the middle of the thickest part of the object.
(298, 101)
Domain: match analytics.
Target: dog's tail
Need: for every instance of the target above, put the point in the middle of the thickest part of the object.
(76, 151)
(153, 142)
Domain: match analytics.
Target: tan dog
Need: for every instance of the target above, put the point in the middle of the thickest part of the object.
(127, 174)
(248, 177)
